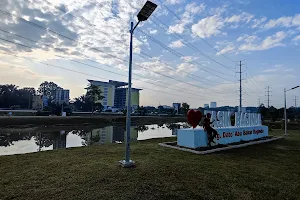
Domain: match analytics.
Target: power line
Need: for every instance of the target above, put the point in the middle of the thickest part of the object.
(181, 55)
(191, 28)
(99, 63)
(52, 31)
(189, 74)
(79, 72)
(88, 23)
(47, 29)
(189, 44)
(254, 83)
(163, 86)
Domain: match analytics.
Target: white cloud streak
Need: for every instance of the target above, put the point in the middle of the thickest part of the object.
(268, 43)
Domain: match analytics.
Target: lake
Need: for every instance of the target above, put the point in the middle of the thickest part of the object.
(43, 139)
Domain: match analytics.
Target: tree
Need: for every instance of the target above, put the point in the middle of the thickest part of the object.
(82, 103)
(25, 96)
(185, 108)
(94, 94)
(48, 89)
(11, 96)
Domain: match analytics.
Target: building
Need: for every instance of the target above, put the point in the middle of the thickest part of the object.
(110, 134)
(206, 106)
(37, 102)
(60, 140)
(62, 96)
(176, 107)
(115, 94)
(213, 104)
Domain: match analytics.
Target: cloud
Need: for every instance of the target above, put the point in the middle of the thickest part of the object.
(187, 17)
(177, 28)
(278, 68)
(230, 47)
(207, 27)
(290, 21)
(96, 31)
(218, 10)
(244, 17)
(173, 1)
(189, 58)
(257, 22)
(194, 8)
(297, 38)
(155, 65)
(269, 42)
(186, 67)
(153, 32)
(247, 38)
(176, 44)
(18, 71)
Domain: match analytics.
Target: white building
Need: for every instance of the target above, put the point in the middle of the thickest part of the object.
(213, 104)
(177, 106)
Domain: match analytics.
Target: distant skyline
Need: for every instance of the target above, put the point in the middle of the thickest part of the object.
(207, 39)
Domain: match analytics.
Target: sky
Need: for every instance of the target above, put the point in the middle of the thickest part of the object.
(187, 51)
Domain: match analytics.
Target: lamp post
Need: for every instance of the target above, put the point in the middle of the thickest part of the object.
(285, 117)
(143, 15)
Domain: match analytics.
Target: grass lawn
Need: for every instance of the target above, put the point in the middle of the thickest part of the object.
(265, 171)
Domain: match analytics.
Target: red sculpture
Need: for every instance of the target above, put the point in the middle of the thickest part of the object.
(194, 117)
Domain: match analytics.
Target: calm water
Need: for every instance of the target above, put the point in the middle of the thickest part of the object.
(13, 142)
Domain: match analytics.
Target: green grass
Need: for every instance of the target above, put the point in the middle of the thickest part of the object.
(265, 171)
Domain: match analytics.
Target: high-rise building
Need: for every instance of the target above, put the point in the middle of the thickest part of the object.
(213, 104)
(115, 94)
(206, 105)
(62, 96)
(176, 107)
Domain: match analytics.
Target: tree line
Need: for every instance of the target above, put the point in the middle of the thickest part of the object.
(13, 97)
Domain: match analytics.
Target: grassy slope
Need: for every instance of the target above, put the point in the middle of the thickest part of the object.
(266, 171)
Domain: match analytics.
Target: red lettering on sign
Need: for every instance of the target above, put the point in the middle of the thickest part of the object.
(238, 133)
(258, 131)
(245, 132)
(227, 134)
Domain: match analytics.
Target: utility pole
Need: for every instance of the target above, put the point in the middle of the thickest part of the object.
(29, 100)
(268, 95)
(258, 102)
(296, 98)
(240, 86)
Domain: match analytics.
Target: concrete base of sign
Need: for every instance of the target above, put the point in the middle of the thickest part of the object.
(195, 138)
(167, 144)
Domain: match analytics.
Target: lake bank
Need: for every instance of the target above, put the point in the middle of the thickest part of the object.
(28, 121)
(265, 171)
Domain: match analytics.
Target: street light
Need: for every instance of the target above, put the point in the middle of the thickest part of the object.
(143, 15)
(285, 117)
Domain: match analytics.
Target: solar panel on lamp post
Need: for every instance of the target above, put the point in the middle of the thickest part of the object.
(143, 15)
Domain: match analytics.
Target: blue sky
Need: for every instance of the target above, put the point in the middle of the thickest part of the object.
(208, 38)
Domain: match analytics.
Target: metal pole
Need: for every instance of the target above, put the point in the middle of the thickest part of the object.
(127, 162)
(240, 86)
(28, 100)
(285, 117)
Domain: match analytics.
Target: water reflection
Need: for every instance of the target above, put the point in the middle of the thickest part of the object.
(16, 143)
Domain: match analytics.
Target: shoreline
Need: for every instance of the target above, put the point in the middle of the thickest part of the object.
(31, 121)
